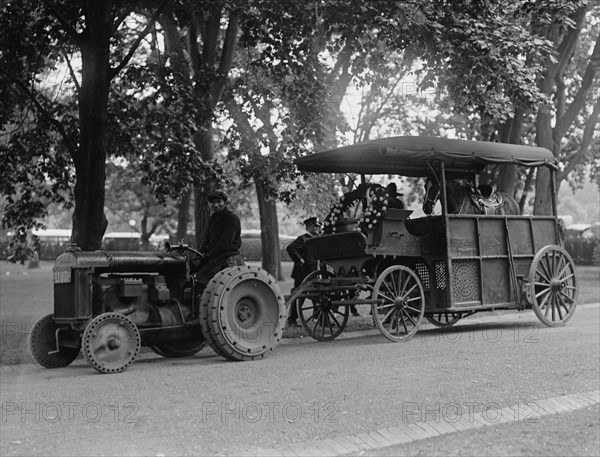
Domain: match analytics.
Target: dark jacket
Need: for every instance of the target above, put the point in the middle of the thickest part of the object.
(222, 238)
(395, 202)
(297, 251)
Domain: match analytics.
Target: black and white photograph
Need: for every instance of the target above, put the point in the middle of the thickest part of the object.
(299, 228)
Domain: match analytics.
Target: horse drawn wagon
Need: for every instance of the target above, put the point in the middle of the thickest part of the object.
(470, 258)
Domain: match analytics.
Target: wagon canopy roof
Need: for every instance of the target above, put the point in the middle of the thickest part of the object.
(415, 155)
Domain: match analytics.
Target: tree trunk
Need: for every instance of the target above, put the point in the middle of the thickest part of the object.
(175, 51)
(89, 221)
(552, 78)
(526, 189)
(269, 234)
(543, 189)
(201, 207)
(508, 173)
(183, 216)
(201, 214)
(145, 234)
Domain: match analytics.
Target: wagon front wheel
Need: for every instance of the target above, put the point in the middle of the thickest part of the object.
(402, 303)
(552, 286)
(322, 320)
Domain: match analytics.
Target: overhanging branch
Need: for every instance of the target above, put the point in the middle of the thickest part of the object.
(119, 20)
(227, 53)
(71, 71)
(137, 42)
(46, 114)
(588, 78)
(76, 37)
(586, 141)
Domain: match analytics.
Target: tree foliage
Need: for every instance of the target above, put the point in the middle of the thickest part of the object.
(156, 83)
(38, 37)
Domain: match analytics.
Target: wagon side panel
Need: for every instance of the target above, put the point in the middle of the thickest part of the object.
(464, 265)
(419, 244)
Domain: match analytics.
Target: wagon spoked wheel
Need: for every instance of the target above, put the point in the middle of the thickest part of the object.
(242, 313)
(553, 286)
(322, 320)
(400, 314)
(111, 342)
(444, 319)
(173, 349)
(42, 343)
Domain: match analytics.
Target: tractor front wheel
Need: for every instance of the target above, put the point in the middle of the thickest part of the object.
(111, 342)
(44, 346)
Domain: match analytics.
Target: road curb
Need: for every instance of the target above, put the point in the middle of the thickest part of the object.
(408, 431)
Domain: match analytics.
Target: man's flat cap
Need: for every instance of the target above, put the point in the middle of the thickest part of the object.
(313, 221)
(218, 195)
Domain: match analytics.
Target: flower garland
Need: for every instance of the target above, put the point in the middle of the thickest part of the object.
(375, 211)
(372, 215)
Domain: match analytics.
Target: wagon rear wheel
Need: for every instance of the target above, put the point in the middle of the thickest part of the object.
(173, 349)
(42, 344)
(444, 319)
(400, 315)
(553, 286)
(242, 313)
(111, 342)
(322, 320)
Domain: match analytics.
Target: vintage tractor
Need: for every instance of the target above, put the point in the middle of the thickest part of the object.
(109, 304)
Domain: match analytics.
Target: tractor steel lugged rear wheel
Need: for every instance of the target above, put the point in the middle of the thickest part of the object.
(242, 313)
(43, 347)
(111, 342)
(553, 286)
(400, 314)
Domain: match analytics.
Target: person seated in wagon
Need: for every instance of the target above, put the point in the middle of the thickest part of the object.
(393, 194)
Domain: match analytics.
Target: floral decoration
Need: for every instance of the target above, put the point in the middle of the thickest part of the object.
(375, 211)
(378, 201)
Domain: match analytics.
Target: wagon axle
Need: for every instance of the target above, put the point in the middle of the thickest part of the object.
(557, 285)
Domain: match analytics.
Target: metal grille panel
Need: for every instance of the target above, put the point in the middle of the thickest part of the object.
(465, 281)
(423, 273)
(440, 275)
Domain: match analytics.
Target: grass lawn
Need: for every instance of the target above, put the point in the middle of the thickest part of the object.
(27, 295)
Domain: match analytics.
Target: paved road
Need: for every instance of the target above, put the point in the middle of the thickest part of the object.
(307, 392)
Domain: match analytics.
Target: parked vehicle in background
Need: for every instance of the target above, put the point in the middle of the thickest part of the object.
(583, 243)
(52, 243)
(131, 241)
(56, 241)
